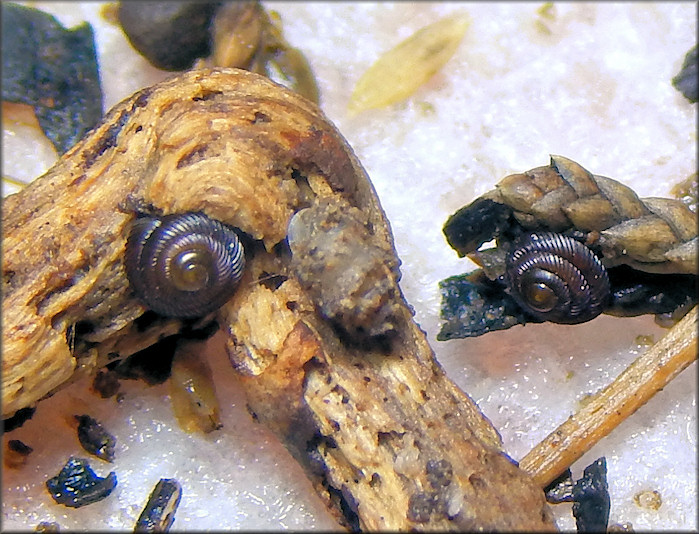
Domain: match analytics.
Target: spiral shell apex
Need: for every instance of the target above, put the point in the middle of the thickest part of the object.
(557, 278)
(183, 265)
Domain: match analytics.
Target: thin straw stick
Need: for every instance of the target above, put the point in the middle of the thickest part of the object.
(647, 375)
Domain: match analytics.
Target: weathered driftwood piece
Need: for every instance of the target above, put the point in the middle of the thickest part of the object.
(347, 380)
(647, 375)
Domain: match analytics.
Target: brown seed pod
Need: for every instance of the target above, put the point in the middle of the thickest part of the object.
(650, 235)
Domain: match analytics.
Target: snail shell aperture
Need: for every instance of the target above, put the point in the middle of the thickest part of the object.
(557, 278)
(183, 265)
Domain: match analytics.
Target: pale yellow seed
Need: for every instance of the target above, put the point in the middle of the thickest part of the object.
(547, 11)
(402, 70)
(192, 391)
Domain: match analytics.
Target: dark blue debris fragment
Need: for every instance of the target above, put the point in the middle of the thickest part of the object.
(473, 305)
(52, 69)
(94, 438)
(591, 500)
(77, 484)
(687, 80)
(159, 512)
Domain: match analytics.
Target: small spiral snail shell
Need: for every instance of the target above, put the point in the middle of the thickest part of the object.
(183, 265)
(557, 278)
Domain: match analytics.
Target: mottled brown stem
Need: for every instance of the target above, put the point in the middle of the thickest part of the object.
(381, 428)
(647, 375)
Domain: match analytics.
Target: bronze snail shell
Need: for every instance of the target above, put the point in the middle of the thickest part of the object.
(557, 278)
(183, 265)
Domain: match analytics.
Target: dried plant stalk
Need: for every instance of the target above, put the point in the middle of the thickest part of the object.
(647, 375)
(386, 438)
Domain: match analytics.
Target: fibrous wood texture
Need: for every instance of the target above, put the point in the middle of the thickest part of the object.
(387, 439)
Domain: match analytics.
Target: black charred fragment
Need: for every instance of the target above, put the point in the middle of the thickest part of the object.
(473, 305)
(439, 473)
(18, 419)
(637, 292)
(561, 489)
(422, 505)
(589, 495)
(17, 454)
(108, 140)
(199, 330)
(591, 502)
(170, 35)
(159, 513)
(272, 281)
(106, 383)
(52, 69)
(95, 439)
(77, 484)
(686, 81)
(19, 447)
(475, 224)
(152, 364)
(145, 321)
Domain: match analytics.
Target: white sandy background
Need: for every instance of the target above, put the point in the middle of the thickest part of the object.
(592, 84)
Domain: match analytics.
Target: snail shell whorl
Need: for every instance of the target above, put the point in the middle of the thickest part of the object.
(556, 278)
(183, 265)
